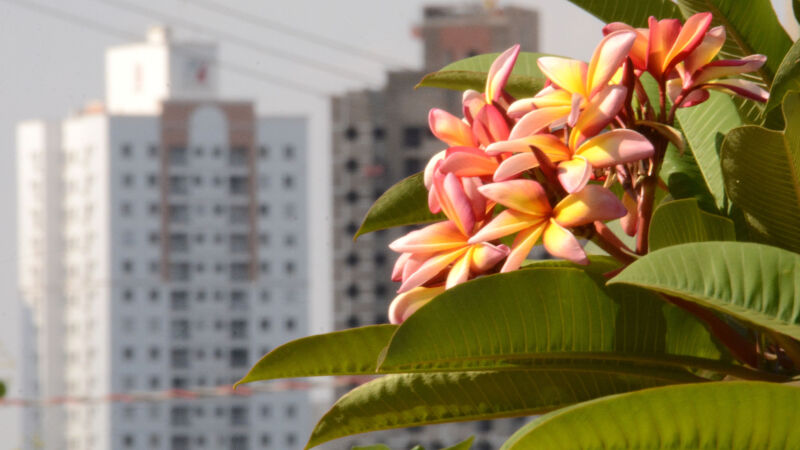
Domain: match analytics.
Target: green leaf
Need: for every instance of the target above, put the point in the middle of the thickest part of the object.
(549, 317)
(526, 79)
(761, 169)
(685, 179)
(632, 12)
(463, 445)
(787, 79)
(732, 415)
(755, 283)
(348, 352)
(406, 400)
(704, 126)
(405, 203)
(682, 221)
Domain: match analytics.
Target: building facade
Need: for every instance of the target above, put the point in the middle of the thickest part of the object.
(162, 252)
(380, 137)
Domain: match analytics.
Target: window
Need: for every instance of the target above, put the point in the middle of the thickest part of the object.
(412, 137)
(178, 156)
(238, 156)
(240, 271)
(126, 150)
(351, 165)
(264, 324)
(180, 329)
(179, 242)
(238, 415)
(127, 180)
(351, 228)
(152, 150)
(179, 416)
(179, 213)
(179, 300)
(353, 291)
(288, 181)
(128, 353)
(127, 266)
(351, 133)
(239, 243)
(127, 294)
(288, 151)
(179, 271)
(412, 166)
(154, 353)
(239, 215)
(239, 300)
(128, 440)
(263, 210)
(239, 185)
(290, 324)
(379, 258)
(352, 259)
(351, 196)
(239, 358)
(179, 358)
(263, 151)
(289, 267)
(378, 133)
(353, 321)
(178, 184)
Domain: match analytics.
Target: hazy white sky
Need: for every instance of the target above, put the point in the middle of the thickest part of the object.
(50, 66)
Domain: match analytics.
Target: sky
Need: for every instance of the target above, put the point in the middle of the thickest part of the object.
(52, 66)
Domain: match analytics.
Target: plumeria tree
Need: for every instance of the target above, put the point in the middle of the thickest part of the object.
(675, 151)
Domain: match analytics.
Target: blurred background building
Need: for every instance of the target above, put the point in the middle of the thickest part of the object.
(378, 138)
(162, 251)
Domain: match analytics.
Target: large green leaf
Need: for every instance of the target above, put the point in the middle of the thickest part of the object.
(406, 400)
(685, 179)
(704, 126)
(348, 352)
(550, 317)
(787, 79)
(755, 283)
(405, 203)
(761, 169)
(632, 12)
(682, 221)
(730, 415)
(526, 79)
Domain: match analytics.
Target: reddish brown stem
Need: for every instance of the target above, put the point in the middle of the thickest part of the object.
(645, 212)
(608, 241)
(740, 347)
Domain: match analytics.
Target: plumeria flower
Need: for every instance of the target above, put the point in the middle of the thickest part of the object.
(442, 250)
(577, 83)
(665, 43)
(407, 303)
(530, 215)
(584, 151)
(699, 72)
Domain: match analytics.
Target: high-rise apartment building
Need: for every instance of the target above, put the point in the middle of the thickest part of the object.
(162, 243)
(382, 136)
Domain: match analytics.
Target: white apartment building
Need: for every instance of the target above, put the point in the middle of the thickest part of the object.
(162, 247)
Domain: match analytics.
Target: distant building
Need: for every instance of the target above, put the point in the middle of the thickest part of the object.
(162, 243)
(382, 136)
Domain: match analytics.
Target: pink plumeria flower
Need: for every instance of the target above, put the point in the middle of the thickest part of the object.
(530, 215)
(577, 83)
(407, 303)
(699, 72)
(584, 151)
(442, 250)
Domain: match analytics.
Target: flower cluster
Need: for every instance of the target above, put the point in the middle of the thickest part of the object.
(539, 168)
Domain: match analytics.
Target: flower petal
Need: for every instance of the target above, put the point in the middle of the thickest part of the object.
(600, 112)
(727, 68)
(546, 98)
(607, 57)
(592, 203)
(485, 256)
(663, 34)
(515, 165)
(450, 129)
(399, 266)
(472, 102)
(430, 268)
(499, 73)
(490, 125)
(522, 246)
(459, 273)
(526, 196)
(706, 51)
(454, 201)
(574, 173)
(537, 120)
(638, 52)
(551, 145)
(431, 167)
(568, 74)
(575, 109)
(743, 88)
(689, 38)
(560, 243)
(615, 147)
(433, 238)
(630, 222)
(407, 303)
(468, 162)
(506, 223)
